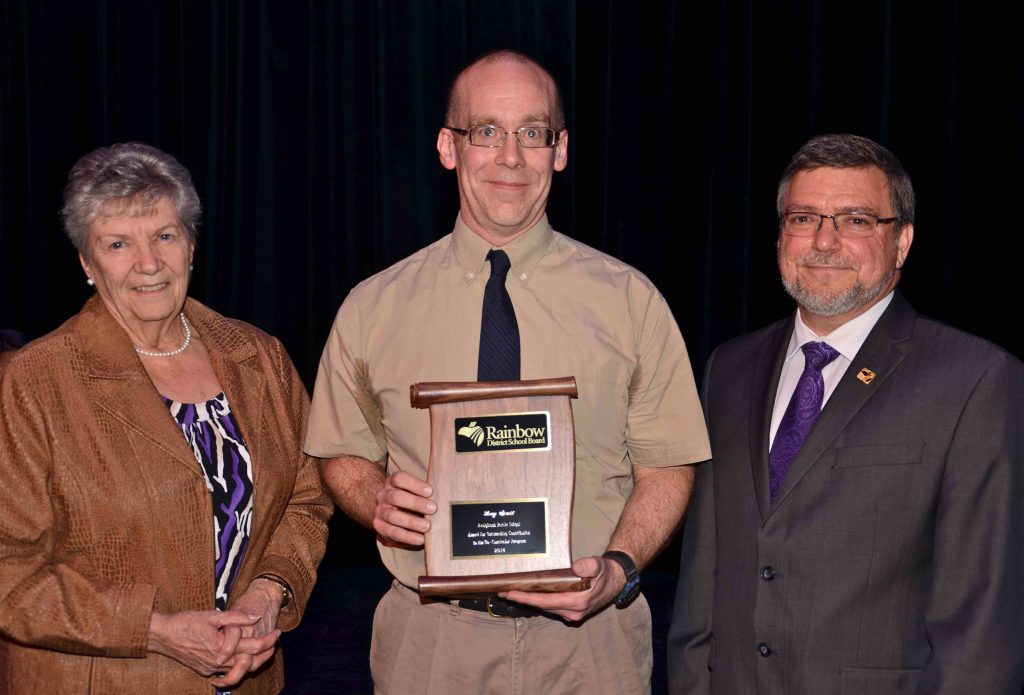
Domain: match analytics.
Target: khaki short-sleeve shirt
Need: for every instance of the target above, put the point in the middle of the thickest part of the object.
(581, 313)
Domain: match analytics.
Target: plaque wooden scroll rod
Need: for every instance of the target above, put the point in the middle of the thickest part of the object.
(427, 394)
(502, 465)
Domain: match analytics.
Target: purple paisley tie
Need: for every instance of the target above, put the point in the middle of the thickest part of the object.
(803, 409)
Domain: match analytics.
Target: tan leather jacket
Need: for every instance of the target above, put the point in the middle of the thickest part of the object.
(105, 515)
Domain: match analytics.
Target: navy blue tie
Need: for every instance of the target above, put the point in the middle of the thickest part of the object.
(499, 332)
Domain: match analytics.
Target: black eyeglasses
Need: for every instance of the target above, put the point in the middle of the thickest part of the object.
(849, 224)
(493, 136)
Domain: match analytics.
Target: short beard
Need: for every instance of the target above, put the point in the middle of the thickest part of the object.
(846, 301)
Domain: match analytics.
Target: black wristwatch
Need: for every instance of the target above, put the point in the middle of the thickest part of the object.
(632, 587)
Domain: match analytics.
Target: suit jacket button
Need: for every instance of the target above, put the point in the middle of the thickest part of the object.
(763, 649)
(767, 573)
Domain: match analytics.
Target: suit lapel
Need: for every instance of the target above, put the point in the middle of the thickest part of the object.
(246, 390)
(119, 385)
(243, 382)
(886, 346)
(767, 369)
(137, 405)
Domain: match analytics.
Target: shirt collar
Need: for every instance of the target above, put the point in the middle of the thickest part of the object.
(524, 252)
(846, 339)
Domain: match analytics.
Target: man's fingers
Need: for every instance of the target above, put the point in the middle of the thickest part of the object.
(403, 519)
(571, 605)
(397, 534)
(391, 497)
(551, 601)
(407, 481)
(401, 503)
(399, 525)
(587, 567)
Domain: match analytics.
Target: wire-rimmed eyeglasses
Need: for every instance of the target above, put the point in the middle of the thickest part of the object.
(850, 224)
(493, 136)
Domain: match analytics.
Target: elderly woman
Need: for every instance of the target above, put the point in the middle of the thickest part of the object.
(159, 524)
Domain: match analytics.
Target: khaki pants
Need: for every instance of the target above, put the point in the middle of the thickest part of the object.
(440, 648)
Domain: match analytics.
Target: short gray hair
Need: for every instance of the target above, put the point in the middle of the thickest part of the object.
(845, 151)
(124, 179)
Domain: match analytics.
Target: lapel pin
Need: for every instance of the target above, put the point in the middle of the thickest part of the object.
(866, 375)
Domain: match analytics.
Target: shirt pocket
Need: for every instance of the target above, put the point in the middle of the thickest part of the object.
(599, 413)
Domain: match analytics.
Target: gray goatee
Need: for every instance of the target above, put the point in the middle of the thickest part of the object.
(824, 304)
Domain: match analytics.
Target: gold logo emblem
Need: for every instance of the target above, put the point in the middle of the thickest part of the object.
(866, 375)
(472, 432)
(504, 432)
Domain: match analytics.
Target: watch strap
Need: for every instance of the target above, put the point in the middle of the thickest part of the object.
(632, 586)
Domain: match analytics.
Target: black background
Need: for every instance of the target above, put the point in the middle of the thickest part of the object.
(309, 128)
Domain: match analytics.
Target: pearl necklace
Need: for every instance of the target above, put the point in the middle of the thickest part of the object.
(188, 339)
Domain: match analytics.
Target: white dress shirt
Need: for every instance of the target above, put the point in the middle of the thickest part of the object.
(846, 339)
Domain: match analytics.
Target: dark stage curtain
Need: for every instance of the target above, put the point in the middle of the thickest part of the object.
(310, 127)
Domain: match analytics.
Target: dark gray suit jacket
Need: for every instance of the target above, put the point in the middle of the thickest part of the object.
(892, 561)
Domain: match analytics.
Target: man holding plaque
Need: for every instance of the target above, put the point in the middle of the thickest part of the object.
(504, 298)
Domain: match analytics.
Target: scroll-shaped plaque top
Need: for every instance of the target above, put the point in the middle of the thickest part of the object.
(428, 393)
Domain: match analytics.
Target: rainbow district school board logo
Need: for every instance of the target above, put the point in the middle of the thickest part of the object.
(508, 432)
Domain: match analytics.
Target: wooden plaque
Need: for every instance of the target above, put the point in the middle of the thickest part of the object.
(503, 467)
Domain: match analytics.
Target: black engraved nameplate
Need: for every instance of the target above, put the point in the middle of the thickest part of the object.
(502, 527)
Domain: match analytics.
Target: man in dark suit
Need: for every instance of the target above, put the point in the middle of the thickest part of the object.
(858, 528)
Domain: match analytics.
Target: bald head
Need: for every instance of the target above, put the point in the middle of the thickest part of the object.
(503, 189)
(457, 96)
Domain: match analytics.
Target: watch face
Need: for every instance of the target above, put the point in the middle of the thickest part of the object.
(628, 592)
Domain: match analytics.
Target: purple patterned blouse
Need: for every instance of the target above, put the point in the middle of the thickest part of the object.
(213, 435)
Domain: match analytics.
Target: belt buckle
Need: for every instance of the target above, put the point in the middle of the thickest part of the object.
(490, 608)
